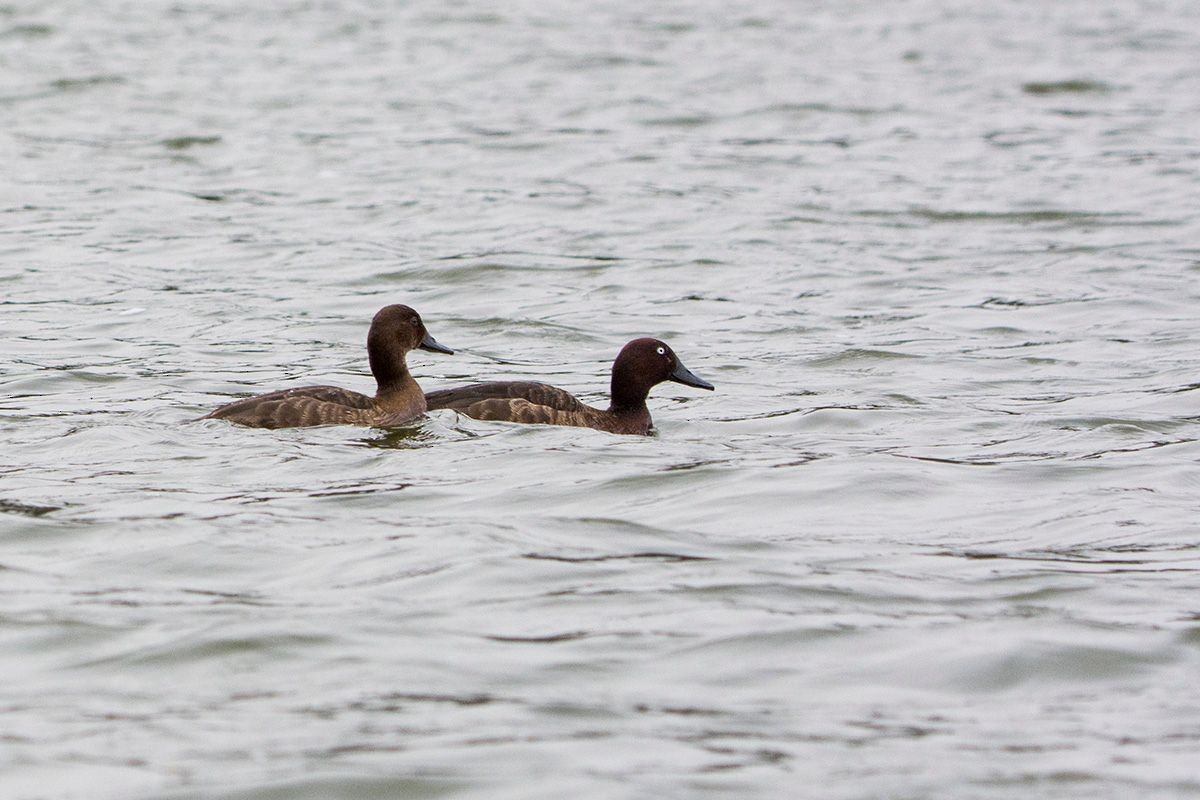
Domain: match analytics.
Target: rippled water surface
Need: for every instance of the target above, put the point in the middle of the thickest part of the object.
(934, 535)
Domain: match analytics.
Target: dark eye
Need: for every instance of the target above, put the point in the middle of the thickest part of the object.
(414, 322)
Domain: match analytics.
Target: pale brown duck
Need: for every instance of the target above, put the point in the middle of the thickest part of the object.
(395, 331)
(641, 365)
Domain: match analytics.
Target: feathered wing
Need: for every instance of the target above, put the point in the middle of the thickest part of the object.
(297, 411)
(518, 409)
(534, 403)
(462, 398)
(302, 407)
(327, 394)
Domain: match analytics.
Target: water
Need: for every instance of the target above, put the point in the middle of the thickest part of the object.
(933, 535)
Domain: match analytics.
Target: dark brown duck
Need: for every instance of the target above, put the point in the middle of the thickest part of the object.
(395, 331)
(641, 365)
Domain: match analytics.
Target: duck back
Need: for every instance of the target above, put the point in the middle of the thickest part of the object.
(534, 403)
(461, 398)
(294, 408)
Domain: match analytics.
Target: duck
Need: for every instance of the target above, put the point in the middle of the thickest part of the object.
(395, 330)
(641, 365)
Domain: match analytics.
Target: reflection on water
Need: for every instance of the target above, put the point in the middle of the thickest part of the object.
(409, 436)
(932, 535)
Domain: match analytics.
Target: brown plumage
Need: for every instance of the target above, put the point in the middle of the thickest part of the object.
(395, 330)
(641, 365)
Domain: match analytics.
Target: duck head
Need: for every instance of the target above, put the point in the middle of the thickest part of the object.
(395, 330)
(643, 364)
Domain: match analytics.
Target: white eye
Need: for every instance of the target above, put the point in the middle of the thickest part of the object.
(662, 351)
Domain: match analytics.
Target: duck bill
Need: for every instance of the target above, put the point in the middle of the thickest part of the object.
(431, 344)
(682, 374)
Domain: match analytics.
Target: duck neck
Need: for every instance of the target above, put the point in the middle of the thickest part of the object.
(388, 367)
(400, 396)
(627, 392)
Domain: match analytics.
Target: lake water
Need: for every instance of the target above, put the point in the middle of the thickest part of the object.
(934, 535)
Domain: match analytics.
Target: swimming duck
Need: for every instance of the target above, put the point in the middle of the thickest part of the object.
(394, 331)
(641, 365)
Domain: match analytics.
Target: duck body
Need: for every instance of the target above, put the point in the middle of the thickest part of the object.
(395, 331)
(641, 365)
(308, 406)
(535, 403)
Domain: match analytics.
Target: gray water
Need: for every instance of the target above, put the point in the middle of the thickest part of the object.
(934, 535)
